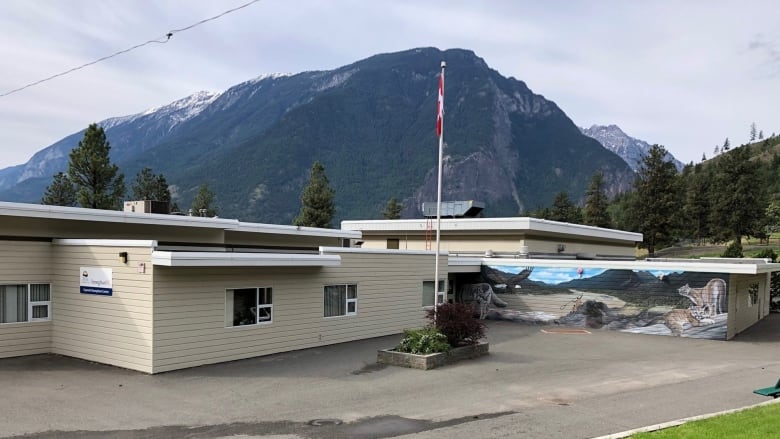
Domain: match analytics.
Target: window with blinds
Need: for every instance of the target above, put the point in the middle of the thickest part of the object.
(25, 303)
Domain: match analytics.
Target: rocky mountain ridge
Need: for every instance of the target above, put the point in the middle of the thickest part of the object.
(370, 123)
(630, 149)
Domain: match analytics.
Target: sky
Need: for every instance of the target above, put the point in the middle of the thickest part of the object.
(683, 74)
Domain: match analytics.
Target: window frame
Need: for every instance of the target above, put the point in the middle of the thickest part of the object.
(348, 287)
(258, 306)
(440, 296)
(31, 304)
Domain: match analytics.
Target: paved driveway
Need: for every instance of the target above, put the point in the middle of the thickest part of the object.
(533, 384)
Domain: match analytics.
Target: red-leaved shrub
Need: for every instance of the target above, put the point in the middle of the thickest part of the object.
(456, 321)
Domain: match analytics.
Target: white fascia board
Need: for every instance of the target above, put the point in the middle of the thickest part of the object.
(110, 216)
(229, 259)
(519, 224)
(279, 229)
(376, 251)
(106, 242)
(702, 267)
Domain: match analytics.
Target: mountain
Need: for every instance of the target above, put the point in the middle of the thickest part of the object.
(371, 124)
(628, 148)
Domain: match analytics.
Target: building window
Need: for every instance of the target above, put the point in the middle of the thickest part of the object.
(752, 295)
(25, 303)
(340, 300)
(248, 306)
(427, 292)
(393, 244)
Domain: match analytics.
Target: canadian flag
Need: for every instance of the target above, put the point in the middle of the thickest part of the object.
(440, 113)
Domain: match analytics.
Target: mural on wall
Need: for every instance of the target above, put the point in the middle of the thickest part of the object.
(684, 304)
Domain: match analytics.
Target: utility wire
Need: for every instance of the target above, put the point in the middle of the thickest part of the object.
(161, 40)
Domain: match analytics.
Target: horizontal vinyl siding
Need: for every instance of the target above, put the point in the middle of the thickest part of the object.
(571, 247)
(115, 329)
(189, 307)
(742, 315)
(23, 262)
(18, 339)
(504, 244)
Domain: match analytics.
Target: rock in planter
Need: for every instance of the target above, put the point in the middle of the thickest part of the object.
(431, 361)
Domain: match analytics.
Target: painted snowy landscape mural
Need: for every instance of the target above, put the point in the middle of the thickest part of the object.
(682, 304)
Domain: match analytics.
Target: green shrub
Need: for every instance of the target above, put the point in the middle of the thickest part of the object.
(734, 250)
(423, 341)
(456, 321)
(767, 253)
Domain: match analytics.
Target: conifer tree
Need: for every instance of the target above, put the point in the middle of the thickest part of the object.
(739, 196)
(317, 206)
(753, 132)
(698, 186)
(98, 182)
(60, 192)
(203, 204)
(148, 186)
(393, 209)
(654, 210)
(564, 210)
(595, 212)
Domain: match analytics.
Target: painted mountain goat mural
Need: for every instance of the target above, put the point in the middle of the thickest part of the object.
(685, 304)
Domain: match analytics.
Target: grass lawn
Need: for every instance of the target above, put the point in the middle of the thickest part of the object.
(760, 422)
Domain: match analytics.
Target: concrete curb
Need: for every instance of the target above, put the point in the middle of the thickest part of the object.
(669, 424)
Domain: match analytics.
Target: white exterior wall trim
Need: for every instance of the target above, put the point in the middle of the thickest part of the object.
(107, 242)
(379, 251)
(155, 219)
(110, 216)
(278, 229)
(221, 259)
(519, 224)
(708, 266)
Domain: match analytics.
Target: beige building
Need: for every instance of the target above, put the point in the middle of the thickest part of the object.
(157, 292)
(529, 237)
(557, 266)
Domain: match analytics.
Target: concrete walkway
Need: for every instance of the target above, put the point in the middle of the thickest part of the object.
(533, 384)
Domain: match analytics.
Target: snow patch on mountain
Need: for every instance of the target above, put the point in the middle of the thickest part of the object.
(335, 80)
(177, 112)
(630, 149)
(265, 76)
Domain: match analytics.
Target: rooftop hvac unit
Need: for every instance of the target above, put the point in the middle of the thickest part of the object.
(147, 206)
(454, 209)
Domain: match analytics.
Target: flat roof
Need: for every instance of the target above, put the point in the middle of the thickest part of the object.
(279, 229)
(709, 265)
(155, 219)
(380, 251)
(482, 225)
(231, 259)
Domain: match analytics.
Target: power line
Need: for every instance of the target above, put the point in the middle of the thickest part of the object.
(161, 40)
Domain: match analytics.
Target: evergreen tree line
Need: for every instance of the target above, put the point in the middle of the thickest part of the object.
(721, 200)
(92, 181)
(718, 201)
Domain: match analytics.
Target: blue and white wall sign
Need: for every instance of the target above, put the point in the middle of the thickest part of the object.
(96, 280)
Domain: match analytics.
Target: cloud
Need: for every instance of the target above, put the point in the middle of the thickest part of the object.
(767, 49)
(682, 74)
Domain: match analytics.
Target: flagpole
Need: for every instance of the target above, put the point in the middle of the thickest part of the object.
(440, 132)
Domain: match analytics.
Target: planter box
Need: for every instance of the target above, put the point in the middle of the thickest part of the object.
(430, 361)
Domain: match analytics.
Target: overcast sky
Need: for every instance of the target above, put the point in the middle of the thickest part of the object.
(685, 74)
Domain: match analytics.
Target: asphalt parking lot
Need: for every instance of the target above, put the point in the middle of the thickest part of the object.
(533, 384)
